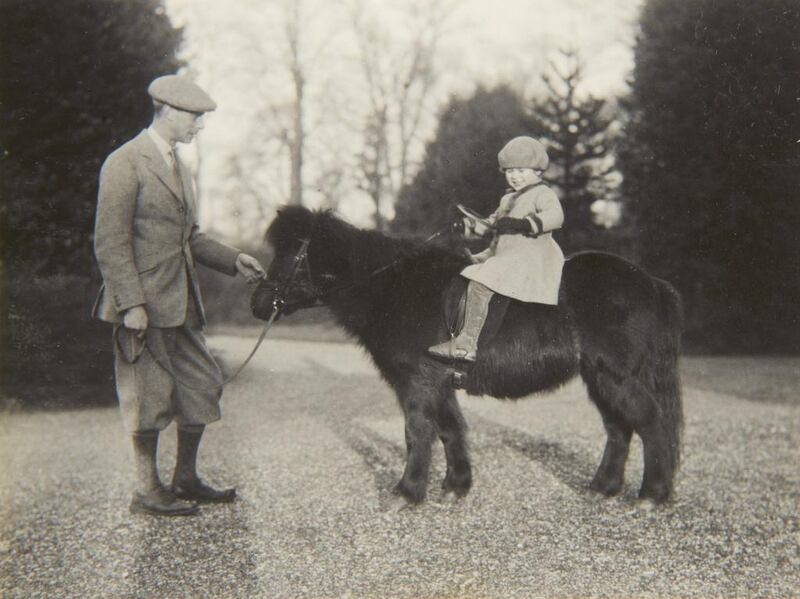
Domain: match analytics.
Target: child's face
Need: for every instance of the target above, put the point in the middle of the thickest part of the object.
(521, 177)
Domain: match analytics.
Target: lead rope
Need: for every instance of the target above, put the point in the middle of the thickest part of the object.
(277, 306)
(158, 354)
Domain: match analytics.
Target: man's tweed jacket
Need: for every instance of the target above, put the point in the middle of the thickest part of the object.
(147, 240)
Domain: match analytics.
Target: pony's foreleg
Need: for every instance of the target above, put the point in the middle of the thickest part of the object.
(420, 433)
(451, 425)
(610, 473)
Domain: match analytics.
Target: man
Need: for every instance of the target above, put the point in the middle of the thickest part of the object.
(146, 243)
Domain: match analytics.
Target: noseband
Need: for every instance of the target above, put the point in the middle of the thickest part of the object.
(299, 261)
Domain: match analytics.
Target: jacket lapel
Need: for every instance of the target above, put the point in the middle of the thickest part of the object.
(188, 196)
(155, 163)
(186, 184)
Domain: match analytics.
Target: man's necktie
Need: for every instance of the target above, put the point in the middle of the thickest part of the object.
(176, 170)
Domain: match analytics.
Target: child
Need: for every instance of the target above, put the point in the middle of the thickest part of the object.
(523, 262)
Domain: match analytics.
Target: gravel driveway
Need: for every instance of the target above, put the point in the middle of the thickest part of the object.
(313, 440)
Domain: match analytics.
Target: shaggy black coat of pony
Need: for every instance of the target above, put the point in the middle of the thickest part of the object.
(615, 326)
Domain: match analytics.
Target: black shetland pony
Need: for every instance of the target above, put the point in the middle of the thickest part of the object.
(615, 325)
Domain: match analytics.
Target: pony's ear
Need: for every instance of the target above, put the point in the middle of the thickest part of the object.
(290, 223)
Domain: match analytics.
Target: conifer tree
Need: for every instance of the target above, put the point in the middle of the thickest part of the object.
(460, 164)
(710, 165)
(576, 130)
(73, 86)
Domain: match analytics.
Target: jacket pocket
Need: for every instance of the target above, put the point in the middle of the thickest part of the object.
(155, 257)
(149, 262)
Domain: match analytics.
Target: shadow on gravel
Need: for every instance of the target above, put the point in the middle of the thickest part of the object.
(193, 556)
(571, 468)
(380, 456)
(564, 465)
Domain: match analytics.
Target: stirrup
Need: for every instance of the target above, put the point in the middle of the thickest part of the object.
(458, 379)
(464, 355)
(448, 351)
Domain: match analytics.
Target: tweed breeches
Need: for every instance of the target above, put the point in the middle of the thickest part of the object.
(150, 398)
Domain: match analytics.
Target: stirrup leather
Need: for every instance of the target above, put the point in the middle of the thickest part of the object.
(465, 345)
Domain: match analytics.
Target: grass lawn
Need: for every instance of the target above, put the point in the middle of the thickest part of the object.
(773, 379)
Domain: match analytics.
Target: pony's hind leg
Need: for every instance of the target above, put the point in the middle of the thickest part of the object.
(659, 464)
(607, 393)
(622, 418)
(610, 473)
(451, 426)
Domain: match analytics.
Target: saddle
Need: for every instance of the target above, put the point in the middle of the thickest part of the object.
(454, 304)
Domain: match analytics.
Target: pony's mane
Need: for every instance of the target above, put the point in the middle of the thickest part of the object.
(331, 236)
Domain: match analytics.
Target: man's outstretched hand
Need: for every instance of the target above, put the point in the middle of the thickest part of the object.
(249, 268)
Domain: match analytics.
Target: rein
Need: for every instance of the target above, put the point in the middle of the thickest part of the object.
(167, 366)
(278, 305)
(160, 356)
(316, 299)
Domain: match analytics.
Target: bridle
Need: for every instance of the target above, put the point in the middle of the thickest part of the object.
(300, 263)
(278, 305)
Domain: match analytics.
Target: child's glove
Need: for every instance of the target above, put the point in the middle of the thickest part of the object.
(513, 226)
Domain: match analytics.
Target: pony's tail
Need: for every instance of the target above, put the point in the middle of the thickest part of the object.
(666, 371)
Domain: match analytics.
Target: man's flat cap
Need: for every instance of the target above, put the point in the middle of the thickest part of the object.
(181, 92)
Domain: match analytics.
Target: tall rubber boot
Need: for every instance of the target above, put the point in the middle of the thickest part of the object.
(465, 345)
(150, 497)
(185, 482)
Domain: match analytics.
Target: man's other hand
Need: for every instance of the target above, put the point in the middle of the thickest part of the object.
(136, 319)
(249, 268)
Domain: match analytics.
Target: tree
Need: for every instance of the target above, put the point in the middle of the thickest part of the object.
(460, 164)
(400, 78)
(72, 87)
(282, 116)
(281, 64)
(297, 136)
(576, 131)
(73, 81)
(711, 165)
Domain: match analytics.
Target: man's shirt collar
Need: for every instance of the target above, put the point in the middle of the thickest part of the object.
(163, 146)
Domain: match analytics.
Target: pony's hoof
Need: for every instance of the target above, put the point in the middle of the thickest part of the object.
(595, 496)
(658, 494)
(397, 503)
(644, 506)
(412, 496)
(457, 489)
(451, 499)
(605, 487)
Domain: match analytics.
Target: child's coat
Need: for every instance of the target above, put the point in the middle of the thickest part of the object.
(524, 267)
